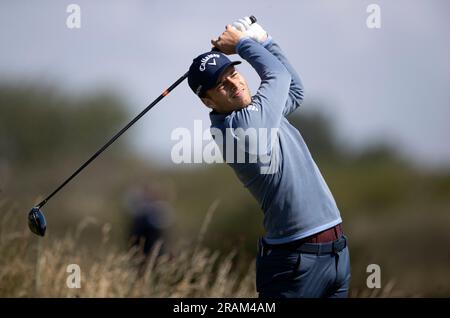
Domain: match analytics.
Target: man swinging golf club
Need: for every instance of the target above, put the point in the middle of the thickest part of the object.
(304, 252)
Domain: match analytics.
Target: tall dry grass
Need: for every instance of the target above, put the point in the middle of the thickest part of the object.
(36, 267)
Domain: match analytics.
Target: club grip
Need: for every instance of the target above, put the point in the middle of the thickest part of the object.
(252, 18)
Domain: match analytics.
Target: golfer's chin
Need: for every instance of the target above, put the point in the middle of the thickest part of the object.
(241, 101)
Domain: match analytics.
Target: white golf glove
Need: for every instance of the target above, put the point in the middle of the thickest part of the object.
(252, 30)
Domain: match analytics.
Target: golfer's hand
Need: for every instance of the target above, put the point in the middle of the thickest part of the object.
(252, 30)
(228, 40)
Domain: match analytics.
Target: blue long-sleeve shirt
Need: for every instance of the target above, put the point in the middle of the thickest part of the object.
(279, 172)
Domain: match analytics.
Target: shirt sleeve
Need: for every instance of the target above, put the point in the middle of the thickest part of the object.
(296, 91)
(266, 109)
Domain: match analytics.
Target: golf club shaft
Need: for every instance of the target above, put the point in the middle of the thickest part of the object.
(117, 135)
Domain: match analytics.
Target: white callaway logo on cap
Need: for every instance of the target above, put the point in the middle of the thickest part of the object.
(206, 59)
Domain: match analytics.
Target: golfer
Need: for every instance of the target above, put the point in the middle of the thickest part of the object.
(303, 252)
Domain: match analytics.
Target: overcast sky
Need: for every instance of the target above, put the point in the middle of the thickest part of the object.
(387, 84)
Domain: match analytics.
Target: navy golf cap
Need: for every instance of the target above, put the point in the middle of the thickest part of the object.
(206, 70)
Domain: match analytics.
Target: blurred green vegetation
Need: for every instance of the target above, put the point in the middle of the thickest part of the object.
(37, 124)
(395, 214)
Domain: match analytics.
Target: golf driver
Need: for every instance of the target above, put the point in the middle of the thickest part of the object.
(36, 219)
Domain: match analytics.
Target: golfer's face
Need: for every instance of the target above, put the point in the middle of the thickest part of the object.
(231, 93)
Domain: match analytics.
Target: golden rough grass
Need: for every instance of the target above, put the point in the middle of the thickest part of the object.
(36, 267)
(28, 269)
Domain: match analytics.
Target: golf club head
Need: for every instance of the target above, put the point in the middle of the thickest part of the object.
(36, 221)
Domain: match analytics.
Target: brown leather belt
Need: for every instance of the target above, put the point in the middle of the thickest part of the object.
(330, 235)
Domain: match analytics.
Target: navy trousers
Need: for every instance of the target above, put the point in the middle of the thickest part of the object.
(306, 271)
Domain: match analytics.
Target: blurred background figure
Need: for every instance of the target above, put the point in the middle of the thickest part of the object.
(151, 218)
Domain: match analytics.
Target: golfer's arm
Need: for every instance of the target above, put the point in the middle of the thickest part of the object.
(296, 88)
(273, 91)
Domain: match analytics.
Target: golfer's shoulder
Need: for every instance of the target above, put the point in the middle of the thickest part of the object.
(245, 118)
